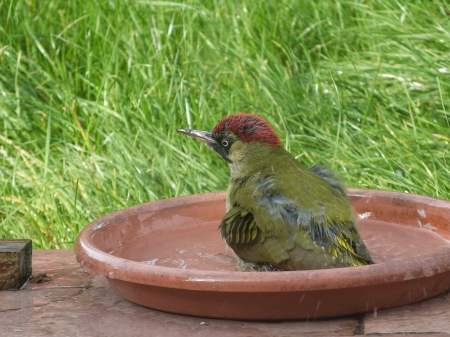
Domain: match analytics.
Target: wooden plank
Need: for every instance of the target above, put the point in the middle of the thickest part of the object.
(428, 317)
(15, 263)
(77, 303)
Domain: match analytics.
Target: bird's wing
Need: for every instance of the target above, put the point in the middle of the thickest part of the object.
(248, 240)
(299, 222)
(292, 249)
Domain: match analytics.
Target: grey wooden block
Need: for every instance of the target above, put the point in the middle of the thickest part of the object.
(15, 263)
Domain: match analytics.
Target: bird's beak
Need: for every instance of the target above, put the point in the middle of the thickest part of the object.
(207, 138)
(203, 136)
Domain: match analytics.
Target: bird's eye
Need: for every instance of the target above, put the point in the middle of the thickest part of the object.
(224, 142)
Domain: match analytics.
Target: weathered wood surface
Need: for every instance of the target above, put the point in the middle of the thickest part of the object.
(427, 317)
(78, 303)
(15, 263)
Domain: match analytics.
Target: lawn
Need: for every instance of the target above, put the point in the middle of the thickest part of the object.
(91, 93)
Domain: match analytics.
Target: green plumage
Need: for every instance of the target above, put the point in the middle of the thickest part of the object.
(283, 214)
(280, 214)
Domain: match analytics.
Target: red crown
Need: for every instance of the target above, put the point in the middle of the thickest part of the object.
(249, 128)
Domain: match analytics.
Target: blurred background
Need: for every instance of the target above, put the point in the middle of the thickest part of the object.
(91, 93)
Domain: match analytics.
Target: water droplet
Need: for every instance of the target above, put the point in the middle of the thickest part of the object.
(421, 212)
(303, 296)
(318, 305)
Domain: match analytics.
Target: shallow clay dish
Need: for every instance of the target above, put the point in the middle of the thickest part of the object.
(168, 255)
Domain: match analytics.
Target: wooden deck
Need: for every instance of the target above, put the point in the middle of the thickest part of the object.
(76, 302)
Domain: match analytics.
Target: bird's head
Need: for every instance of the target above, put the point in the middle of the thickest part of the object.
(235, 134)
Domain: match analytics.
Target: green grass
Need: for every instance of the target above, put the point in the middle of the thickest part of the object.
(91, 93)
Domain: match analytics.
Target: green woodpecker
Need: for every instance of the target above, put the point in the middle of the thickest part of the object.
(281, 215)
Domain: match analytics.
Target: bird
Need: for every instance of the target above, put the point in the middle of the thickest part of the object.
(280, 214)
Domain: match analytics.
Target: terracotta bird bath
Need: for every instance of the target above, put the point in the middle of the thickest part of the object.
(168, 255)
